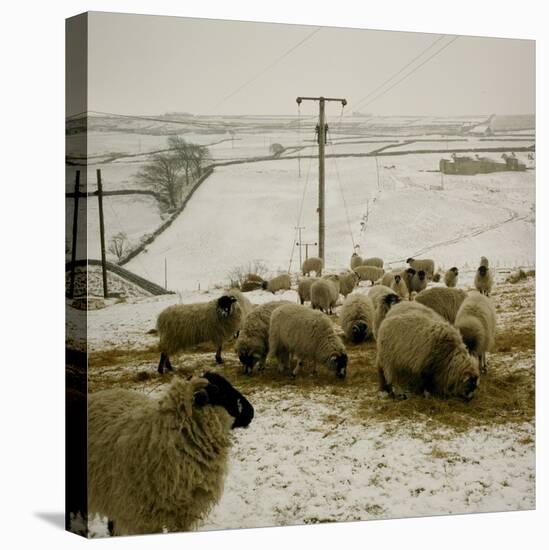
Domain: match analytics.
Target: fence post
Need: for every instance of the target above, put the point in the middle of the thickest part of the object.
(102, 233)
(74, 233)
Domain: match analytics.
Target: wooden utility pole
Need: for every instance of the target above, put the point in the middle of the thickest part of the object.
(74, 233)
(306, 245)
(299, 228)
(321, 184)
(102, 233)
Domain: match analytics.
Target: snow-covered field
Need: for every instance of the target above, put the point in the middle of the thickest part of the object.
(321, 449)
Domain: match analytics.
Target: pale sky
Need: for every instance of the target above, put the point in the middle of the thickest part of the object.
(154, 64)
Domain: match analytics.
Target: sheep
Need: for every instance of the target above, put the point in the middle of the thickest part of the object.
(312, 264)
(347, 282)
(304, 289)
(408, 275)
(398, 285)
(376, 262)
(324, 293)
(484, 280)
(388, 276)
(357, 317)
(309, 336)
(405, 274)
(160, 464)
(383, 304)
(369, 273)
(426, 265)
(451, 277)
(378, 292)
(484, 261)
(420, 351)
(445, 301)
(282, 282)
(419, 281)
(437, 276)
(253, 341)
(183, 325)
(245, 305)
(249, 286)
(356, 260)
(254, 278)
(476, 321)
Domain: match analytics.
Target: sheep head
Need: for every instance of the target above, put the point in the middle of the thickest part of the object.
(338, 361)
(224, 306)
(359, 332)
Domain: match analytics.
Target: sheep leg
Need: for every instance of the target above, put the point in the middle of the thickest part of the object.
(110, 527)
(483, 364)
(218, 358)
(383, 385)
(163, 359)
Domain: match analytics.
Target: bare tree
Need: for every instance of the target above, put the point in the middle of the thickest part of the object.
(162, 175)
(118, 245)
(276, 149)
(190, 157)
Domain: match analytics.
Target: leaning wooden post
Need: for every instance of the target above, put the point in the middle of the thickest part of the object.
(102, 233)
(74, 233)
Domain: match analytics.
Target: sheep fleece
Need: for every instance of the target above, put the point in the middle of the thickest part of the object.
(357, 307)
(151, 464)
(445, 301)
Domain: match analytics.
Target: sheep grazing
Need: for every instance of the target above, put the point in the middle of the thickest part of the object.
(484, 281)
(253, 341)
(383, 304)
(184, 325)
(312, 264)
(347, 282)
(445, 301)
(476, 321)
(356, 260)
(398, 285)
(451, 277)
(304, 289)
(427, 265)
(484, 262)
(420, 351)
(160, 464)
(309, 336)
(419, 281)
(357, 317)
(325, 293)
(245, 305)
(376, 262)
(282, 282)
(369, 273)
(378, 292)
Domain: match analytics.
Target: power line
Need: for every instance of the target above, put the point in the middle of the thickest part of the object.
(411, 72)
(383, 84)
(262, 72)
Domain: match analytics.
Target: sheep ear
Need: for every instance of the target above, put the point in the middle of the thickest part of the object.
(194, 386)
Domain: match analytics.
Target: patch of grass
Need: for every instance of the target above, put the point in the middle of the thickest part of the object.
(511, 340)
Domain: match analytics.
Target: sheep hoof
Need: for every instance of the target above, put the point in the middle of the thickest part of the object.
(219, 359)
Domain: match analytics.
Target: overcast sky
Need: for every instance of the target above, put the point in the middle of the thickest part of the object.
(154, 64)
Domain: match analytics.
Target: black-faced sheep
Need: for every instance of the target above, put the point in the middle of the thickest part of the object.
(356, 260)
(426, 265)
(184, 325)
(252, 345)
(484, 280)
(476, 321)
(451, 277)
(369, 273)
(312, 264)
(398, 285)
(419, 351)
(382, 304)
(325, 293)
(419, 281)
(160, 464)
(484, 262)
(445, 301)
(307, 335)
(357, 317)
(376, 262)
(281, 282)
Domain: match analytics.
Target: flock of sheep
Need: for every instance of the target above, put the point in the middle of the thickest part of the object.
(159, 464)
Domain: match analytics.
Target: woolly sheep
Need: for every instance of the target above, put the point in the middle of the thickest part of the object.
(160, 464)
(324, 293)
(398, 285)
(183, 325)
(426, 265)
(484, 261)
(383, 304)
(253, 341)
(357, 317)
(312, 264)
(376, 262)
(245, 305)
(378, 292)
(476, 321)
(420, 351)
(309, 336)
(282, 282)
(405, 274)
(254, 278)
(347, 282)
(356, 260)
(408, 275)
(484, 280)
(304, 289)
(451, 277)
(445, 301)
(369, 273)
(419, 281)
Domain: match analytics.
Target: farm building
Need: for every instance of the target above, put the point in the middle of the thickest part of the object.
(479, 165)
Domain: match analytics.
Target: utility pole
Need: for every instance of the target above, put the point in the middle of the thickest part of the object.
(306, 245)
(299, 228)
(102, 233)
(321, 183)
(75, 233)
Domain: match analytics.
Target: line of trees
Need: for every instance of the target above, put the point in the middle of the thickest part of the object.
(170, 173)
